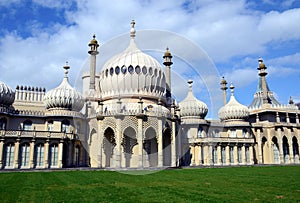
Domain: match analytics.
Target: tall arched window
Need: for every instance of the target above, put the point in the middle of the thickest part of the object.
(200, 130)
(27, 125)
(39, 155)
(3, 123)
(9, 154)
(24, 155)
(65, 126)
(53, 155)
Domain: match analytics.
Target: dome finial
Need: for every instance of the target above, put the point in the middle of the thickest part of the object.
(190, 82)
(231, 89)
(132, 30)
(291, 101)
(66, 67)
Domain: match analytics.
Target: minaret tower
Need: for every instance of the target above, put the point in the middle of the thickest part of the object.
(168, 62)
(262, 73)
(224, 88)
(93, 52)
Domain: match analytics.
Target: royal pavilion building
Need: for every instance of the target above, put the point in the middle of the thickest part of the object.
(126, 117)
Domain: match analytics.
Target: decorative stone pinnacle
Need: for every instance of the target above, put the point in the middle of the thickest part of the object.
(132, 30)
(66, 67)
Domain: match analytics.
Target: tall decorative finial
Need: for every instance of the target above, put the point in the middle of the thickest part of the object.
(231, 89)
(224, 87)
(66, 67)
(132, 30)
(291, 101)
(190, 82)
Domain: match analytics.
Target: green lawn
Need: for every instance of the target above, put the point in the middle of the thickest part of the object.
(238, 184)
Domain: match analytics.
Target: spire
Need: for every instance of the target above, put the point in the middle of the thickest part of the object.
(132, 30)
(93, 52)
(263, 95)
(168, 62)
(224, 87)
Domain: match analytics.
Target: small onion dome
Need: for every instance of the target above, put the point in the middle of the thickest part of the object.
(261, 63)
(64, 96)
(94, 41)
(233, 109)
(167, 53)
(191, 106)
(7, 95)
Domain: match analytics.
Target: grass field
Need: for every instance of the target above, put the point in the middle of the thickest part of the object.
(238, 184)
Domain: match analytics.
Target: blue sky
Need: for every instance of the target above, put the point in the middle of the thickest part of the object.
(38, 36)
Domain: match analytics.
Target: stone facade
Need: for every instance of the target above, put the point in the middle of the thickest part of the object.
(126, 117)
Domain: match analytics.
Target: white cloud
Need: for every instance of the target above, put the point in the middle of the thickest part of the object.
(225, 29)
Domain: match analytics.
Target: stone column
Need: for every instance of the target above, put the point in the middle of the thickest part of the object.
(251, 154)
(235, 155)
(16, 155)
(178, 138)
(243, 154)
(159, 143)
(206, 155)
(118, 147)
(1, 152)
(193, 150)
(259, 149)
(140, 142)
(227, 155)
(219, 148)
(210, 158)
(200, 154)
(31, 155)
(46, 153)
(60, 153)
(279, 138)
(291, 153)
(173, 145)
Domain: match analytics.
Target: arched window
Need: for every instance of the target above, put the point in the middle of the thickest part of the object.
(3, 123)
(217, 133)
(39, 155)
(24, 155)
(53, 155)
(199, 134)
(65, 126)
(9, 154)
(27, 125)
(245, 132)
(50, 126)
(232, 133)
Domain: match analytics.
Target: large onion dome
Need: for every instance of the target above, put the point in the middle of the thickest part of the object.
(132, 73)
(191, 106)
(233, 109)
(7, 95)
(64, 96)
